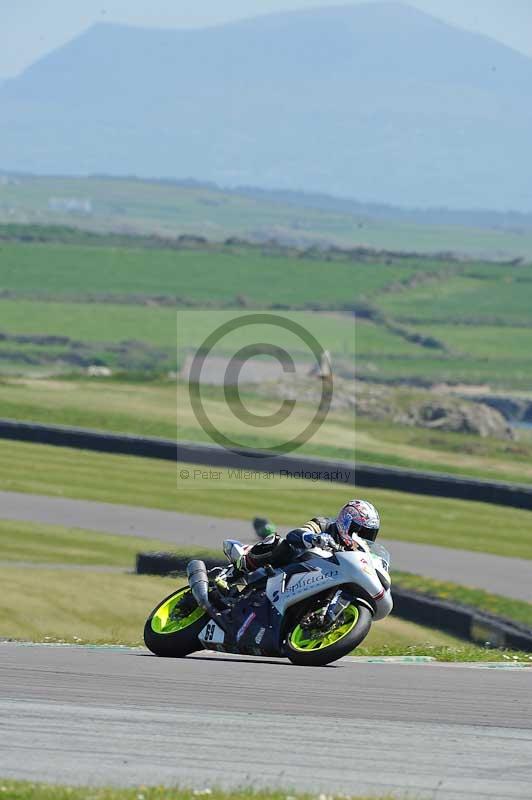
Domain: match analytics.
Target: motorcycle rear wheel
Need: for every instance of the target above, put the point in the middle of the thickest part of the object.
(316, 650)
(172, 631)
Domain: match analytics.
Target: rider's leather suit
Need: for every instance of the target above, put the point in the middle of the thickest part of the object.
(277, 551)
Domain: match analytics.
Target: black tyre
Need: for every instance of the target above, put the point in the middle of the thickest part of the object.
(316, 650)
(173, 626)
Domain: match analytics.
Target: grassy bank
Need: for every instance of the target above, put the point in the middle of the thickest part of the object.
(61, 472)
(149, 409)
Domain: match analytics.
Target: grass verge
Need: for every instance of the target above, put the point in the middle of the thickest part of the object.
(458, 652)
(24, 790)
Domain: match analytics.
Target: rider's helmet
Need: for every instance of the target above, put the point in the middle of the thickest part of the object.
(358, 518)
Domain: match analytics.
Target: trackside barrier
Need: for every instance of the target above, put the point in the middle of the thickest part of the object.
(82, 439)
(346, 472)
(462, 621)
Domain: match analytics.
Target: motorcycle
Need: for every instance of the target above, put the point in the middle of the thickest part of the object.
(312, 611)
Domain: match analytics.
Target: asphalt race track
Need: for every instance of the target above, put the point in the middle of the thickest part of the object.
(511, 577)
(117, 716)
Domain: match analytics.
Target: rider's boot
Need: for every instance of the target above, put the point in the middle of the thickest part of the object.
(247, 558)
(237, 553)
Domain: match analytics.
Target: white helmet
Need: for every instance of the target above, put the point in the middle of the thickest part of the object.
(358, 518)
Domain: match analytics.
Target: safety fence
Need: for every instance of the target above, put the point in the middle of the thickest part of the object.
(286, 466)
(462, 621)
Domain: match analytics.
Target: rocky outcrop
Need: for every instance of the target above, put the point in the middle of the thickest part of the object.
(425, 409)
(461, 417)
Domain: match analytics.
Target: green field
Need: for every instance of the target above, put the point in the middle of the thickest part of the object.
(499, 372)
(482, 341)
(208, 275)
(90, 322)
(60, 472)
(186, 328)
(113, 304)
(499, 297)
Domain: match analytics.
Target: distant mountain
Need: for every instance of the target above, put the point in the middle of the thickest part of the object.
(377, 101)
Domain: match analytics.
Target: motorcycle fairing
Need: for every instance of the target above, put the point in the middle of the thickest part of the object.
(256, 625)
(256, 619)
(285, 590)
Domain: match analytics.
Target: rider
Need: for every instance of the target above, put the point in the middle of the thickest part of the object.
(356, 518)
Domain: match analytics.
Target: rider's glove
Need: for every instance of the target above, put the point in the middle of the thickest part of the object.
(327, 541)
(324, 540)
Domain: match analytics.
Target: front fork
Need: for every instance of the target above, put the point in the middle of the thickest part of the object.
(334, 605)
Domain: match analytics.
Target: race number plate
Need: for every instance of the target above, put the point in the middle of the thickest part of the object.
(211, 634)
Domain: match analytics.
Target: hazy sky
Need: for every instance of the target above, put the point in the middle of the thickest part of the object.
(30, 28)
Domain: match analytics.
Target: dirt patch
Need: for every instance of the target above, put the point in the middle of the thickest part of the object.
(252, 371)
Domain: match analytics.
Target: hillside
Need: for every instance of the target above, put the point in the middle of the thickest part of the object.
(174, 208)
(378, 101)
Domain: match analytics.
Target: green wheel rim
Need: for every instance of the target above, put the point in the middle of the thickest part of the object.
(168, 619)
(299, 640)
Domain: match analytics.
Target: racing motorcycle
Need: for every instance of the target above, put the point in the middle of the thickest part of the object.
(312, 611)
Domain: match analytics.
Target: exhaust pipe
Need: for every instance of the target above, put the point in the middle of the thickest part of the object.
(198, 580)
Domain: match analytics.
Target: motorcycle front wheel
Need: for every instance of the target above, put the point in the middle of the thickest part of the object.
(316, 648)
(173, 626)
